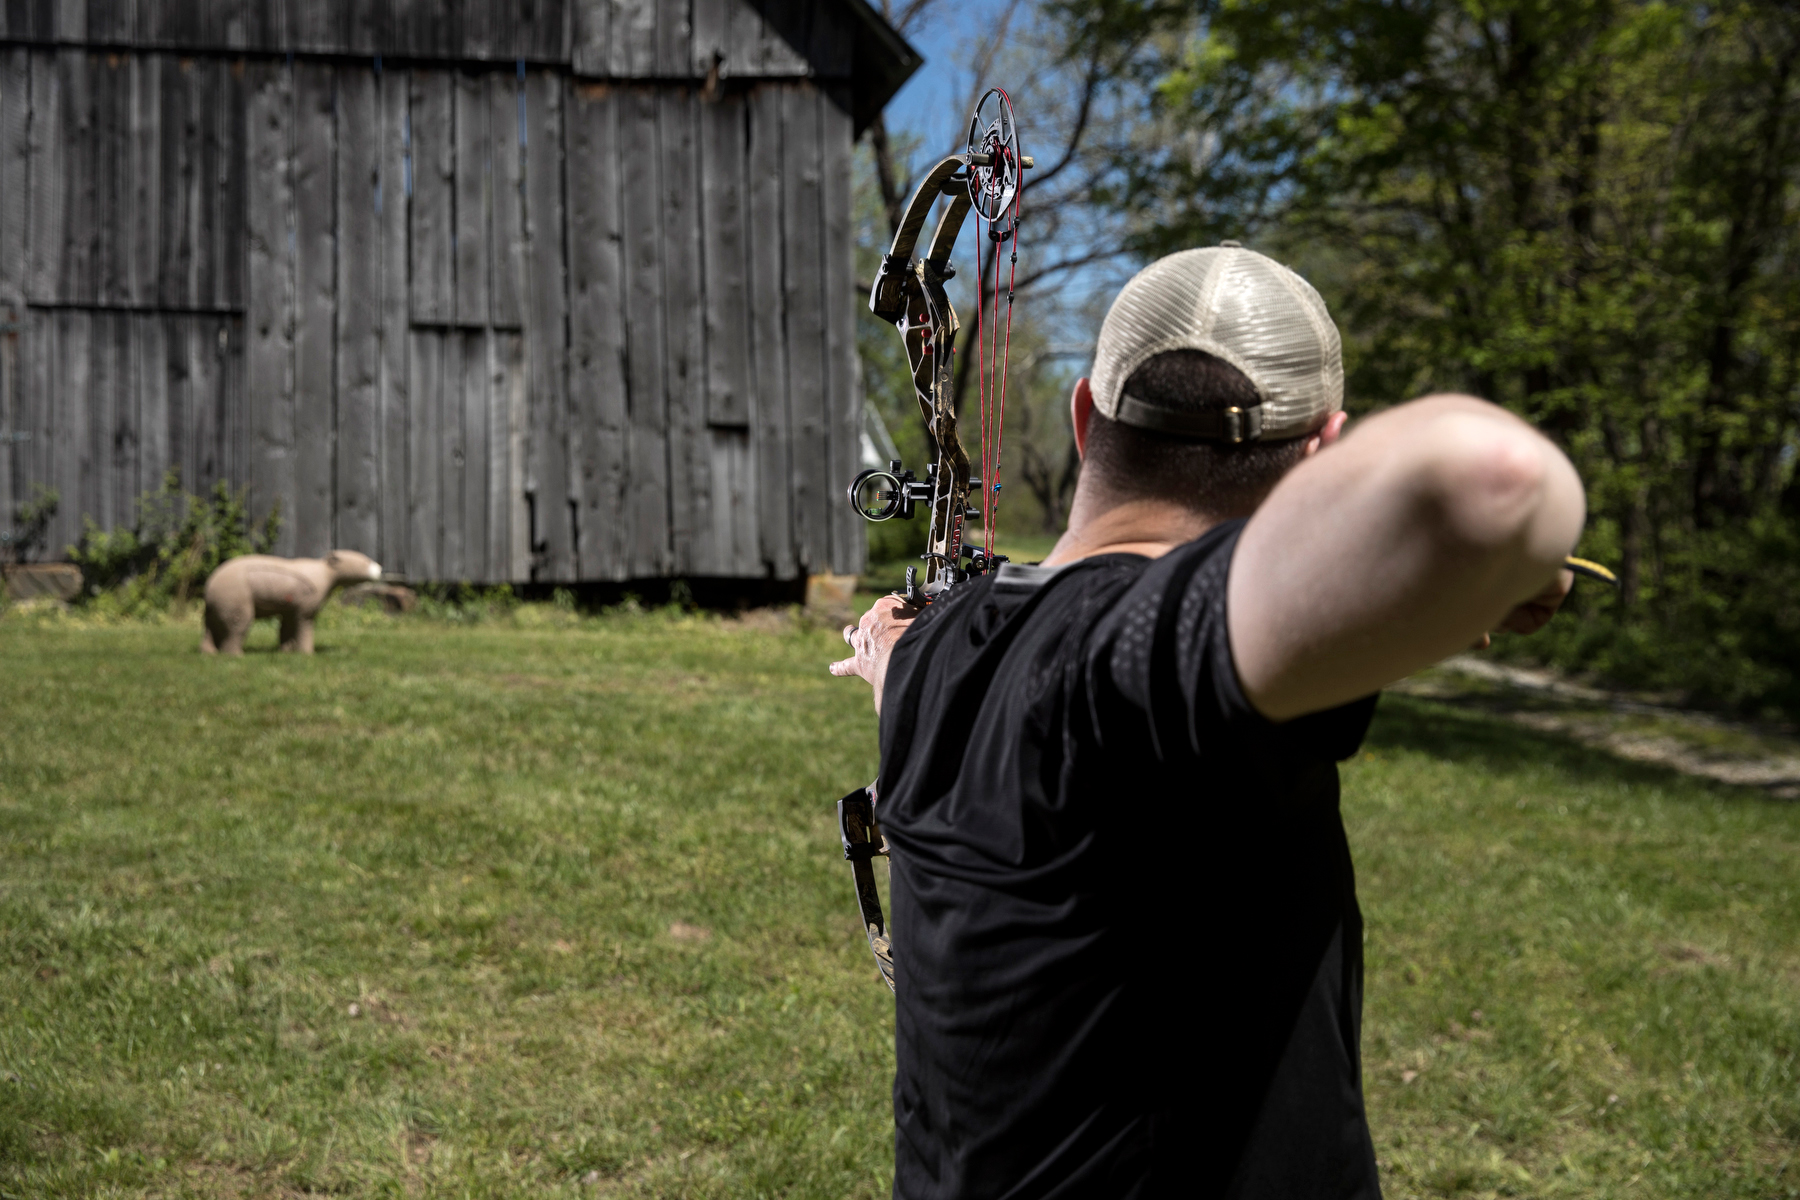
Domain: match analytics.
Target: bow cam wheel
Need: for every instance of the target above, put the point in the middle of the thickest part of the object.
(995, 162)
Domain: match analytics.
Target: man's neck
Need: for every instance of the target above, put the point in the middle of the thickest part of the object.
(1151, 528)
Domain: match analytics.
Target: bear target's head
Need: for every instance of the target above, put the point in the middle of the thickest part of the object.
(349, 566)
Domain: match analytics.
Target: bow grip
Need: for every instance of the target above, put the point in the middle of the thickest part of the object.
(856, 825)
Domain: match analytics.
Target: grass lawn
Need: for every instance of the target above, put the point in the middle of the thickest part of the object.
(552, 905)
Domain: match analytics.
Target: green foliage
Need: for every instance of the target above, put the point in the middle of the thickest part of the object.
(177, 541)
(467, 604)
(1583, 209)
(485, 836)
(30, 525)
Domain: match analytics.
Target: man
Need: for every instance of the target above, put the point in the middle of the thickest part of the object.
(1126, 939)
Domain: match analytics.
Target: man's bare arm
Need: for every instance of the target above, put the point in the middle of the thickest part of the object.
(1400, 545)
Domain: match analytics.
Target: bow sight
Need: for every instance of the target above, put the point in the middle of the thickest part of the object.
(909, 292)
(882, 495)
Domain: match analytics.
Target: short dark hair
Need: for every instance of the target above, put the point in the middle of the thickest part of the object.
(1216, 478)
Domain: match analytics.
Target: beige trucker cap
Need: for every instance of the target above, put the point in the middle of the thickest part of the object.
(1243, 307)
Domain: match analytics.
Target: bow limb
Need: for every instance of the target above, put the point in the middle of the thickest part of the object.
(886, 297)
(950, 481)
(950, 495)
(897, 295)
(909, 292)
(949, 226)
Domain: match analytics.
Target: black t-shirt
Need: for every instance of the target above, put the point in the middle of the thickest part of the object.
(1126, 940)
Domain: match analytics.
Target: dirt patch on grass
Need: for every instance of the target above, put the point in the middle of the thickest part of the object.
(1688, 955)
(1630, 727)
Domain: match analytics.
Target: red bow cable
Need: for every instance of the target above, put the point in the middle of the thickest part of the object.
(993, 353)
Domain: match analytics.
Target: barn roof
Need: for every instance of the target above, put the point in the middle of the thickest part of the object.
(841, 44)
(886, 58)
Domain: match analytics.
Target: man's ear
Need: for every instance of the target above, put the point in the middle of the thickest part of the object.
(1328, 433)
(1081, 409)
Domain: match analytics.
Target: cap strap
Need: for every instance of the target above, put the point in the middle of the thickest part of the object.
(1231, 425)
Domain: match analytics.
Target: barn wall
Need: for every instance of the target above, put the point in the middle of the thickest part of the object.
(608, 39)
(485, 321)
(124, 269)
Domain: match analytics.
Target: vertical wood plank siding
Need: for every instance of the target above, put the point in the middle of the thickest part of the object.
(358, 482)
(315, 308)
(646, 513)
(556, 291)
(15, 158)
(597, 388)
(803, 293)
(546, 339)
(509, 511)
(730, 468)
(841, 395)
(393, 382)
(423, 481)
(270, 251)
(432, 202)
(769, 342)
(684, 324)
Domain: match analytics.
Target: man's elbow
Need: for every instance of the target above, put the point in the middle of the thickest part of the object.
(1502, 488)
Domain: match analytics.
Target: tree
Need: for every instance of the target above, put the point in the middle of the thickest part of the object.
(1581, 208)
(1065, 108)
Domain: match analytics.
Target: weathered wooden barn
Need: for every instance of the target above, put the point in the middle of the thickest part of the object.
(494, 290)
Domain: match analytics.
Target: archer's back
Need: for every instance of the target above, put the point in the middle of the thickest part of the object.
(1127, 946)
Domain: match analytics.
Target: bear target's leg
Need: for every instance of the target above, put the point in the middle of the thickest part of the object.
(305, 636)
(290, 633)
(234, 639)
(217, 634)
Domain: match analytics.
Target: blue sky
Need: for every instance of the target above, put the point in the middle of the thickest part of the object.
(931, 102)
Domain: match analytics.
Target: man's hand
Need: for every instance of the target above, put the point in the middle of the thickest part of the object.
(873, 639)
(1535, 613)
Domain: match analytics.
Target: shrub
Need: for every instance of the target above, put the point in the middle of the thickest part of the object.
(30, 523)
(467, 603)
(178, 540)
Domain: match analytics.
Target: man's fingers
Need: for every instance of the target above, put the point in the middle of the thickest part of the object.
(1528, 617)
(893, 608)
(871, 638)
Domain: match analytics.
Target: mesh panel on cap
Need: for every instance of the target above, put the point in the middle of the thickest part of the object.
(1241, 306)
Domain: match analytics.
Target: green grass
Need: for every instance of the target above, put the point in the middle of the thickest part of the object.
(501, 842)
(1584, 976)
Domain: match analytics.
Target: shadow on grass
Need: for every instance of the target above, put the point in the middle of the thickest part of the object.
(1474, 737)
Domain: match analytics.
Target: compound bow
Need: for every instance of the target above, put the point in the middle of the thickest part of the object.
(988, 178)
